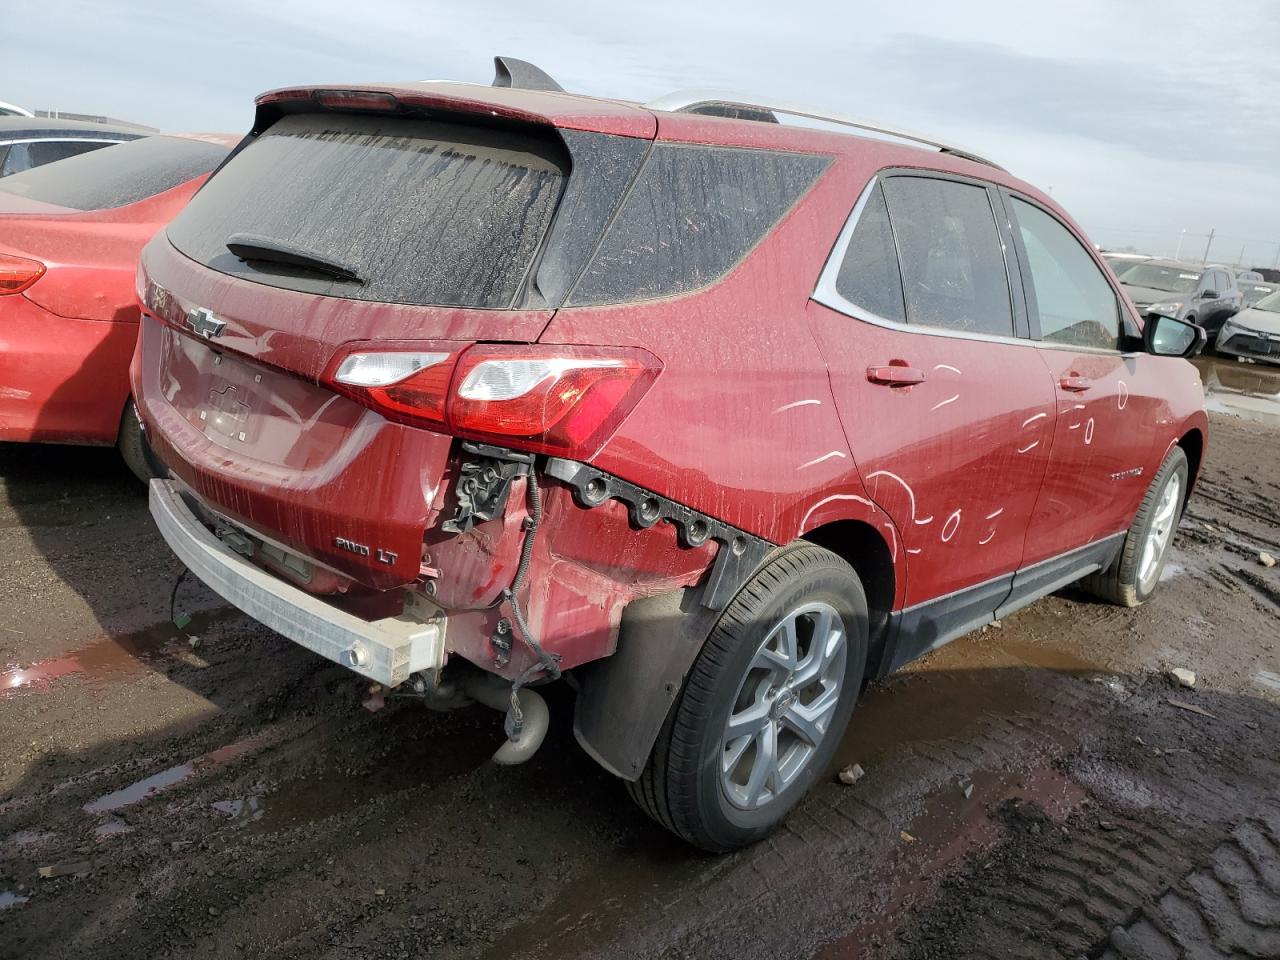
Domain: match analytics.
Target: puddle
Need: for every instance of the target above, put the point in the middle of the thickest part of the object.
(1248, 390)
(241, 808)
(1268, 679)
(105, 660)
(952, 826)
(110, 828)
(165, 779)
(10, 899)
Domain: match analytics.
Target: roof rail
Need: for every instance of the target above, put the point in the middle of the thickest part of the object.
(723, 103)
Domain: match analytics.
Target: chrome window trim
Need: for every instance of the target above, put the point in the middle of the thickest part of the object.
(9, 143)
(826, 293)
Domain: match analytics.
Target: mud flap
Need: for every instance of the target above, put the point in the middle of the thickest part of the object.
(624, 699)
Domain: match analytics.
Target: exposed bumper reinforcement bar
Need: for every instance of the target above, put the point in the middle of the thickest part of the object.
(387, 651)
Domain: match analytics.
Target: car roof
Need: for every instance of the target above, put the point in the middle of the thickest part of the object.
(14, 128)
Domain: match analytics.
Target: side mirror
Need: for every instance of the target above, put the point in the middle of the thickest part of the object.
(1169, 337)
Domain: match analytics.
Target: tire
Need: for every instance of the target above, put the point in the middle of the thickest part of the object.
(685, 785)
(1132, 579)
(134, 449)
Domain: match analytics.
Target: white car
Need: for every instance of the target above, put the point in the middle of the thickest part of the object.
(1253, 332)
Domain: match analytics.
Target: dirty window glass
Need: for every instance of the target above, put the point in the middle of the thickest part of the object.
(869, 276)
(953, 270)
(24, 156)
(1076, 303)
(117, 174)
(693, 213)
(427, 213)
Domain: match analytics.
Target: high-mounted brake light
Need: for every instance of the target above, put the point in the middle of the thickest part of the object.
(562, 400)
(18, 273)
(356, 100)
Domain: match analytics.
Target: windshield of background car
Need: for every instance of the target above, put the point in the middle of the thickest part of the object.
(117, 175)
(1120, 266)
(423, 212)
(1271, 304)
(1170, 279)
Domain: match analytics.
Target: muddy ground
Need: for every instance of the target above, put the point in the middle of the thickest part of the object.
(1035, 790)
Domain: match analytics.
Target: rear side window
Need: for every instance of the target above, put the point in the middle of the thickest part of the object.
(117, 175)
(1075, 302)
(422, 212)
(24, 156)
(953, 270)
(869, 276)
(693, 213)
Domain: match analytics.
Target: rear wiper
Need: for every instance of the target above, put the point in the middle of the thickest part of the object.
(249, 247)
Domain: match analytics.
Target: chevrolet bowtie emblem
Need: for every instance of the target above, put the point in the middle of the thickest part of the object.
(204, 323)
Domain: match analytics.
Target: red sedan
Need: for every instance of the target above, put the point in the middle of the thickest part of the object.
(70, 234)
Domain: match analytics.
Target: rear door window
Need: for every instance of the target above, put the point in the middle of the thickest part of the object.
(422, 212)
(869, 277)
(692, 215)
(117, 174)
(1076, 304)
(952, 260)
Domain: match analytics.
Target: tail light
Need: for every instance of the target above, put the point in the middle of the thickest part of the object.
(18, 273)
(544, 399)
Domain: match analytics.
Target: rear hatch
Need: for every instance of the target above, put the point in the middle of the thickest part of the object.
(410, 222)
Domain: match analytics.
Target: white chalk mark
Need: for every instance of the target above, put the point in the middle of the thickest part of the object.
(946, 366)
(911, 494)
(992, 516)
(1030, 446)
(838, 496)
(798, 403)
(893, 539)
(1078, 406)
(1030, 420)
(825, 456)
(1124, 393)
(943, 403)
(1088, 432)
(1074, 426)
(952, 524)
(913, 550)
(987, 539)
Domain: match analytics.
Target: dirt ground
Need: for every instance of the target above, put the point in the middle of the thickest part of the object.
(1039, 789)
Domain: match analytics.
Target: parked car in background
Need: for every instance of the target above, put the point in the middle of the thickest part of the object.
(70, 233)
(1253, 290)
(1253, 332)
(1120, 262)
(1248, 275)
(1204, 295)
(33, 142)
(724, 416)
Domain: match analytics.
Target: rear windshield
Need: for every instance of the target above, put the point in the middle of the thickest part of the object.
(421, 212)
(117, 175)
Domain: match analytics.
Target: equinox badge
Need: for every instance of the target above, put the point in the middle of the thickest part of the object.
(204, 323)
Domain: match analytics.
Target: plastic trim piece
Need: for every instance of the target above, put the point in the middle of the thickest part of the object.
(387, 650)
(739, 554)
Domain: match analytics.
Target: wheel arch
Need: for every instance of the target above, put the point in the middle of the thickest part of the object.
(863, 547)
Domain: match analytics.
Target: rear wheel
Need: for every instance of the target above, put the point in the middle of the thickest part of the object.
(1135, 573)
(764, 705)
(134, 449)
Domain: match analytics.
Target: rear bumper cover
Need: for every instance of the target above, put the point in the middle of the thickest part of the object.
(386, 651)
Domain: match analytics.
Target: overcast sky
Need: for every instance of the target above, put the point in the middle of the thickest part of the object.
(1143, 118)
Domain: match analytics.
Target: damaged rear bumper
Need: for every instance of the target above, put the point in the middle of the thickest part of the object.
(386, 650)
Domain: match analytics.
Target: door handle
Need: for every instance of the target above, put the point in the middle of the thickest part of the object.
(895, 374)
(1075, 384)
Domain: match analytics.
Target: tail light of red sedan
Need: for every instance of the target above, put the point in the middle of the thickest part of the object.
(18, 273)
(562, 400)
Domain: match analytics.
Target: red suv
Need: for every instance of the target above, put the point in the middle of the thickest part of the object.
(470, 388)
